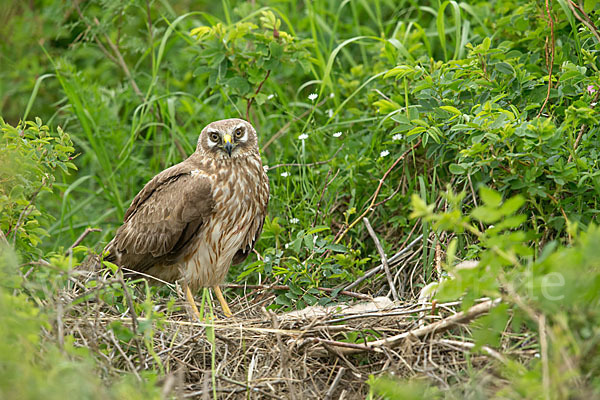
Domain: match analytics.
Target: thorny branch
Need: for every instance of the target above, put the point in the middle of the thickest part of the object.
(549, 63)
(583, 127)
(117, 57)
(26, 211)
(374, 197)
(584, 18)
(251, 100)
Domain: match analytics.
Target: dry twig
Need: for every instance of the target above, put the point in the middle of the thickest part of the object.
(80, 239)
(286, 287)
(391, 260)
(437, 327)
(384, 260)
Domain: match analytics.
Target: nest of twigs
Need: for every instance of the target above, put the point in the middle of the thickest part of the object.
(318, 352)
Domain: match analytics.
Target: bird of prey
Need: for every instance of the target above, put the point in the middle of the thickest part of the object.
(196, 218)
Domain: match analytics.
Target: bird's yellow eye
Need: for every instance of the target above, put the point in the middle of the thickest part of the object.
(214, 137)
(239, 132)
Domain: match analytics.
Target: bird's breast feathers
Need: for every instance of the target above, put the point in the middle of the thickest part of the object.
(240, 203)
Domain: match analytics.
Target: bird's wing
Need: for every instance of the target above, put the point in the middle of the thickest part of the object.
(163, 218)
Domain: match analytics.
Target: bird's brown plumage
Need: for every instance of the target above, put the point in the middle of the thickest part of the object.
(193, 220)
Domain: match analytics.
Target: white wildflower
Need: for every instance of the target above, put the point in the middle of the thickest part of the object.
(287, 245)
(329, 113)
(294, 221)
(331, 95)
(313, 96)
(384, 153)
(397, 136)
(337, 134)
(285, 174)
(304, 136)
(269, 97)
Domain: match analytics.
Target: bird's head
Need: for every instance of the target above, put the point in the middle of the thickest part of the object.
(228, 138)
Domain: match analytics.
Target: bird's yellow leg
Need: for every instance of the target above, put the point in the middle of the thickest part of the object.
(224, 305)
(190, 299)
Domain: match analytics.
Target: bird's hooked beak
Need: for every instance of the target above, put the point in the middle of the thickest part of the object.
(228, 144)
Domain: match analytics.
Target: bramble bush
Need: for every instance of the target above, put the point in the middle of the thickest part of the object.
(31, 366)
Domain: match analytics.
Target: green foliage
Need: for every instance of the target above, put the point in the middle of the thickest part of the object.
(552, 292)
(304, 263)
(33, 368)
(238, 58)
(30, 154)
(134, 83)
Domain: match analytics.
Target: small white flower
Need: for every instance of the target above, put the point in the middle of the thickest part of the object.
(313, 96)
(331, 95)
(397, 136)
(337, 134)
(304, 136)
(287, 245)
(269, 97)
(294, 221)
(266, 168)
(384, 153)
(329, 113)
(315, 239)
(285, 174)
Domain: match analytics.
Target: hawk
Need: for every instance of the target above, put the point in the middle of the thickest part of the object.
(196, 218)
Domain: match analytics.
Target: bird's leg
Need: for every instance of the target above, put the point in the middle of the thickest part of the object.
(190, 299)
(224, 305)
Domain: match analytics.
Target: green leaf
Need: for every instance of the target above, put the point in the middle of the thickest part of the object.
(456, 169)
(420, 207)
(336, 247)
(511, 205)
(487, 215)
(239, 84)
(505, 68)
(276, 50)
(451, 109)
(122, 332)
(490, 197)
(317, 229)
(589, 5)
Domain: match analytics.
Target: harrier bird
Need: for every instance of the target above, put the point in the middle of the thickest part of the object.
(193, 220)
